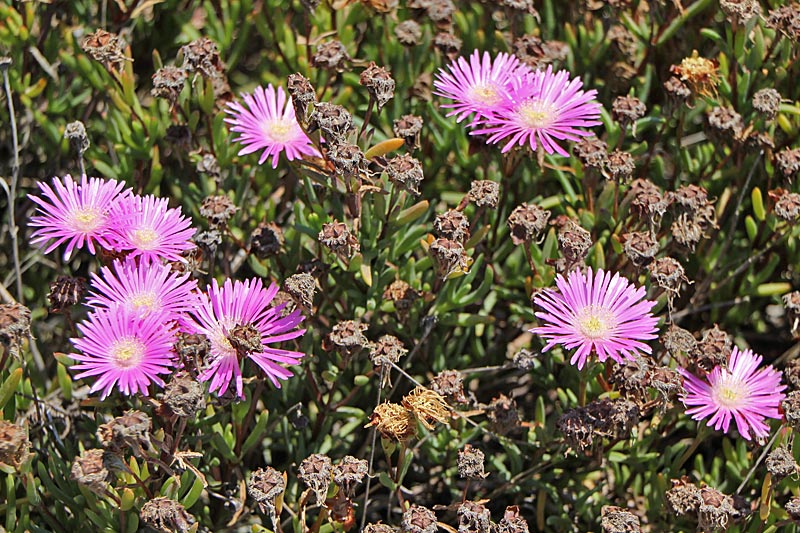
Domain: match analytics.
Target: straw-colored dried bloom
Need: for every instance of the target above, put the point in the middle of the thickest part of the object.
(428, 406)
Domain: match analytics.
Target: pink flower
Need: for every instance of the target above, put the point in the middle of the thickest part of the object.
(267, 122)
(740, 392)
(479, 86)
(75, 213)
(123, 349)
(144, 287)
(146, 227)
(242, 312)
(539, 109)
(596, 312)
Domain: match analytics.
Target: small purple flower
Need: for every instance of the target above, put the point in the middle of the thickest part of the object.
(539, 109)
(123, 349)
(146, 227)
(267, 122)
(596, 312)
(75, 213)
(478, 86)
(144, 287)
(238, 305)
(740, 392)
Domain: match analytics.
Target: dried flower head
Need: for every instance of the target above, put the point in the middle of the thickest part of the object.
(788, 162)
(627, 110)
(791, 409)
(767, 102)
(452, 225)
(620, 165)
(714, 349)
(316, 471)
(266, 240)
(408, 128)
(408, 32)
(473, 517)
(449, 257)
(448, 44)
(785, 19)
(347, 337)
(739, 392)
(379, 84)
(14, 444)
(75, 133)
(585, 427)
(787, 204)
(647, 202)
(484, 193)
(701, 74)
(90, 470)
(780, 463)
(592, 152)
(684, 497)
(504, 415)
(15, 324)
(301, 287)
(449, 384)
(740, 11)
(405, 171)
(668, 274)
(350, 472)
(168, 82)
(402, 295)
(105, 47)
(470, 463)
(527, 222)
(331, 55)
(618, 520)
(427, 406)
(334, 121)
(265, 486)
(184, 395)
(573, 242)
(166, 516)
(302, 94)
(393, 422)
(129, 431)
(512, 521)
(337, 238)
(218, 210)
(418, 519)
(726, 124)
(348, 160)
(202, 55)
(388, 350)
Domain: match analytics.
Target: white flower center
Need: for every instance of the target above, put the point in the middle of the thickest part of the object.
(279, 130)
(85, 219)
(729, 391)
(595, 322)
(145, 238)
(127, 352)
(536, 114)
(484, 94)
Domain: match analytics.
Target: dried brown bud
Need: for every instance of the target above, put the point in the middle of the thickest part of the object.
(632, 379)
(780, 463)
(408, 128)
(75, 133)
(668, 274)
(647, 202)
(218, 210)
(452, 225)
(408, 32)
(166, 515)
(585, 427)
(208, 164)
(402, 295)
(677, 91)
(512, 522)
(331, 55)
(389, 349)
(620, 165)
(618, 520)
(715, 511)
(202, 55)
(788, 162)
(265, 486)
(418, 519)
(793, 508)
(678, 341)
(65, 292)
(184, 395)
(530, 50)
(347, 338)
(168, 82)
(713, 349)
(504, 415)
(266, 240)
(640, 247)
(191, 348)
(627, 110)
(470, 463)
(441, 12)
(785, 19)
(348, 159)
(302, 93)
(315, 471)
(740, 11)
(379, 84)
(450, 385)
(484, 193)
(787, 205)
(449, 257)
(574, 243)
(726, 124)
(527, 222)
(338, 239)
(405, 172)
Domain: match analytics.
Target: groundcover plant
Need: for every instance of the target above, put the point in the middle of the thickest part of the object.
(474, 266)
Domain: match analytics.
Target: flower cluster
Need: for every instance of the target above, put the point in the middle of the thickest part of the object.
(512, 104)
(139, 304)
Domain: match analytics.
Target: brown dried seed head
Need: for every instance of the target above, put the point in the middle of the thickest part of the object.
(265, 485)
(449, 384)
(218, 210)
(713, 349)
(418, 519)
(484, 193)
(202, 55)
(191, 348)
(15, 323)
(348, 159)
(184, 395)
(788, 162)
(787, 205)
(448, 44)
(684, 497)
(406, 172)
(780, 463)
(592, 152)
(347, 337)
(618, 520)
(75, 133)
(302, 288)
(379, 84)
(90, 470)
(449, 257)
(740, 11)
(166, 515)
(640, 247)
(389, 349)
(104, 47)
(428, 406)
(715, 511)
(350, 472)
(470, 463)
(379, 528)
(168, 82)
(338, 239)
(408, 128)
(726, 123)
(333, 120)
(504, 415)
(131, 430)
(627, 110)
(402, 295)
(767, 102)
(408, 32)
(573, 242)
(315, 471)
(791, 409)
(302, 93)
(791, 374)
(678, 91)
(678, 341)
(331, 55)
(14, 444)
(208, 164)
(512, 522)
(527, 222)
(668, 274)
(620, 165)
(441, 12)
(793, 508)
(452, 225)
(266, 240)
(530, 50)
(393, 422)
(473, 517)
(785, 19)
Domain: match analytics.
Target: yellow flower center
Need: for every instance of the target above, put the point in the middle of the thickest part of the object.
(729, 391)
(127, 352)
(595, 322)
(536, 114)
(279, 130)
(144, 302)
(85, 219)
(485, 94)
(145, 238)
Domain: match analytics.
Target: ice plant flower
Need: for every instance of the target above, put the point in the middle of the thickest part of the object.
(74, 212)
(740, 392)
(146, 227)
(144, 287)
(240, 321)
(539, 109)
(596, 312)
(478, 86)
(123, 349)
(267, 122)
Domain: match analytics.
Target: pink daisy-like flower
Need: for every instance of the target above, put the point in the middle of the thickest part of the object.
(478, 86)
(123, 349)
(144, 287)
(540, 109)
(242, 311)
(75, 213)
(146, 227)
(596, 312)
(267, 122)
(740, 392)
